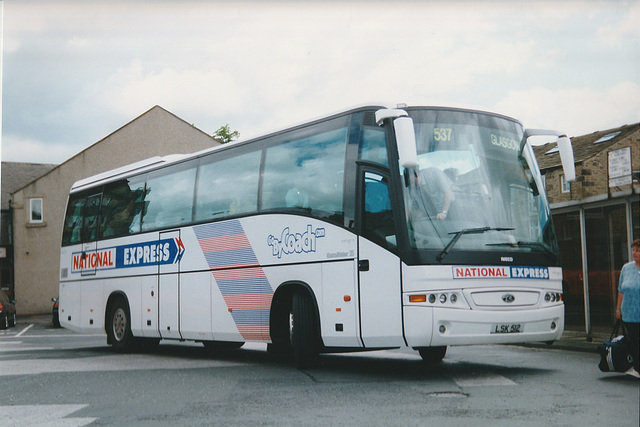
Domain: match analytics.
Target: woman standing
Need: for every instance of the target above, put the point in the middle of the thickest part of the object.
(628, 308)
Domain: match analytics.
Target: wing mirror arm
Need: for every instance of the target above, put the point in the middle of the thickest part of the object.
(405, 135)
(564, 147)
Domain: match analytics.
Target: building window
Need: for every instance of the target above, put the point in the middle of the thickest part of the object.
(566, 186)
(35, 211)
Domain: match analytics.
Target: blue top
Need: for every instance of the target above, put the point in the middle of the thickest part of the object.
(630, 287)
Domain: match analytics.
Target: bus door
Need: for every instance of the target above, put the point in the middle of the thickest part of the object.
(90, 234)
(168, 286)
(378, 265)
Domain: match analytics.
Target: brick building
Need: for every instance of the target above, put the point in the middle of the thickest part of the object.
(596, 218)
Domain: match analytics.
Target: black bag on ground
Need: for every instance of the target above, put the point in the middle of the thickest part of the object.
(615, 355)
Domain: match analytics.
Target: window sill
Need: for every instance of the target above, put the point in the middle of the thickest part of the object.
(36, 224)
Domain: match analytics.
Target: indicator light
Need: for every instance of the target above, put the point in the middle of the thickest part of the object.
(418, 298)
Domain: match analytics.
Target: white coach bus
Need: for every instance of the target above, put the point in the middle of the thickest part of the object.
(376, 228)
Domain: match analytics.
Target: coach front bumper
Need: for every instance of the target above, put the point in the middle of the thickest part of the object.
(429, 326)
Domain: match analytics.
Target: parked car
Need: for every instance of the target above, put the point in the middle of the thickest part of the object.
(7, 311)
(56, 316)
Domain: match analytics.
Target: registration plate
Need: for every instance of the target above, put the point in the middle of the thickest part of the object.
(506, 328)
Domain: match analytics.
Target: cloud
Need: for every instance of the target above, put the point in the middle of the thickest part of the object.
(624, 29)
(282, 66)
(134, 89)
(261, 66)
(577, 111)
(18, 149)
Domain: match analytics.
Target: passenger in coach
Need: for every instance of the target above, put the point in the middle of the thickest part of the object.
(436, 186)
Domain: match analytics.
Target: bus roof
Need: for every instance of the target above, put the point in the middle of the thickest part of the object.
(141, 166)
(157, 161)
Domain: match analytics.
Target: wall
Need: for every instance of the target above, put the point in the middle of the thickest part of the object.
(606, 237)
(592, 175)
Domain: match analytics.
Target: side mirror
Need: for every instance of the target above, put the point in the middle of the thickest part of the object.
(566, 156)
(406, 140)
(564, 148)
(405, 135)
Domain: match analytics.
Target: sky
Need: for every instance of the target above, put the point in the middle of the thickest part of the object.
(75, 71)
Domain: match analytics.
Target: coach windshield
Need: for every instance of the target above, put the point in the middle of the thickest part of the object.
(473, 189)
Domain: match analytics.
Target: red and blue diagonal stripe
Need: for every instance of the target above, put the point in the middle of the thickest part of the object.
(242, 282)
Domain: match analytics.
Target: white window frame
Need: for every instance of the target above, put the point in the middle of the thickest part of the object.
(32, 205)
(565, 186)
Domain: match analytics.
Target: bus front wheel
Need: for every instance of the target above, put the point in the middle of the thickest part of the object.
(304, 330)
(433, 354)
(119, 326)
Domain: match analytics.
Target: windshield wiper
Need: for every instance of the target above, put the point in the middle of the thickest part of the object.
(459, 234)
(537, 245)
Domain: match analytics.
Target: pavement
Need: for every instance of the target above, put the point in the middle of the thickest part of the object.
(574, 340)
(571, 340)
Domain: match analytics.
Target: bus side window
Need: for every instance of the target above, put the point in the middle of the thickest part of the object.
(121, 208)
(73, 220)
(377, 218)
(373, 147)
(228, 187)
(307, 173)
(90, 222)
(169, 197)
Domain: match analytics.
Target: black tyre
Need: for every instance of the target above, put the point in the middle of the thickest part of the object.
(304, 330)
(5, 323)
(119, 326)
(433, 354)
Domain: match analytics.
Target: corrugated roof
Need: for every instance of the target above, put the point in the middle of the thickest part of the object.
(585, 146)
(16, 175)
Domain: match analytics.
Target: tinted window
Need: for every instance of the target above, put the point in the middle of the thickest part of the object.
(121, 207)
(91, 213)
(373, 147)
(228, 187)
(377, 219)
(307, 173)
(169, 197)
(71, 233)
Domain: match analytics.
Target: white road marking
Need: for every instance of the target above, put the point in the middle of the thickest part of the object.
(116, 362)
(24, 330)
(8, 348)
(42, 415)
(60, 336)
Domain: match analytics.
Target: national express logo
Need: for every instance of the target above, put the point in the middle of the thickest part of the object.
(156, 252)
(295, 243)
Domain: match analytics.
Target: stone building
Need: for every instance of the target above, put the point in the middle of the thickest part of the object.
(14, 176)
(38, 208)
(596, 218)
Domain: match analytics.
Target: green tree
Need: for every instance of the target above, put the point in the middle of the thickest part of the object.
(224, 134)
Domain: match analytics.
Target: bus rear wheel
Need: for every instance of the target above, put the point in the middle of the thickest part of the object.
(119, 326)
(432, 354)
(304, 330)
